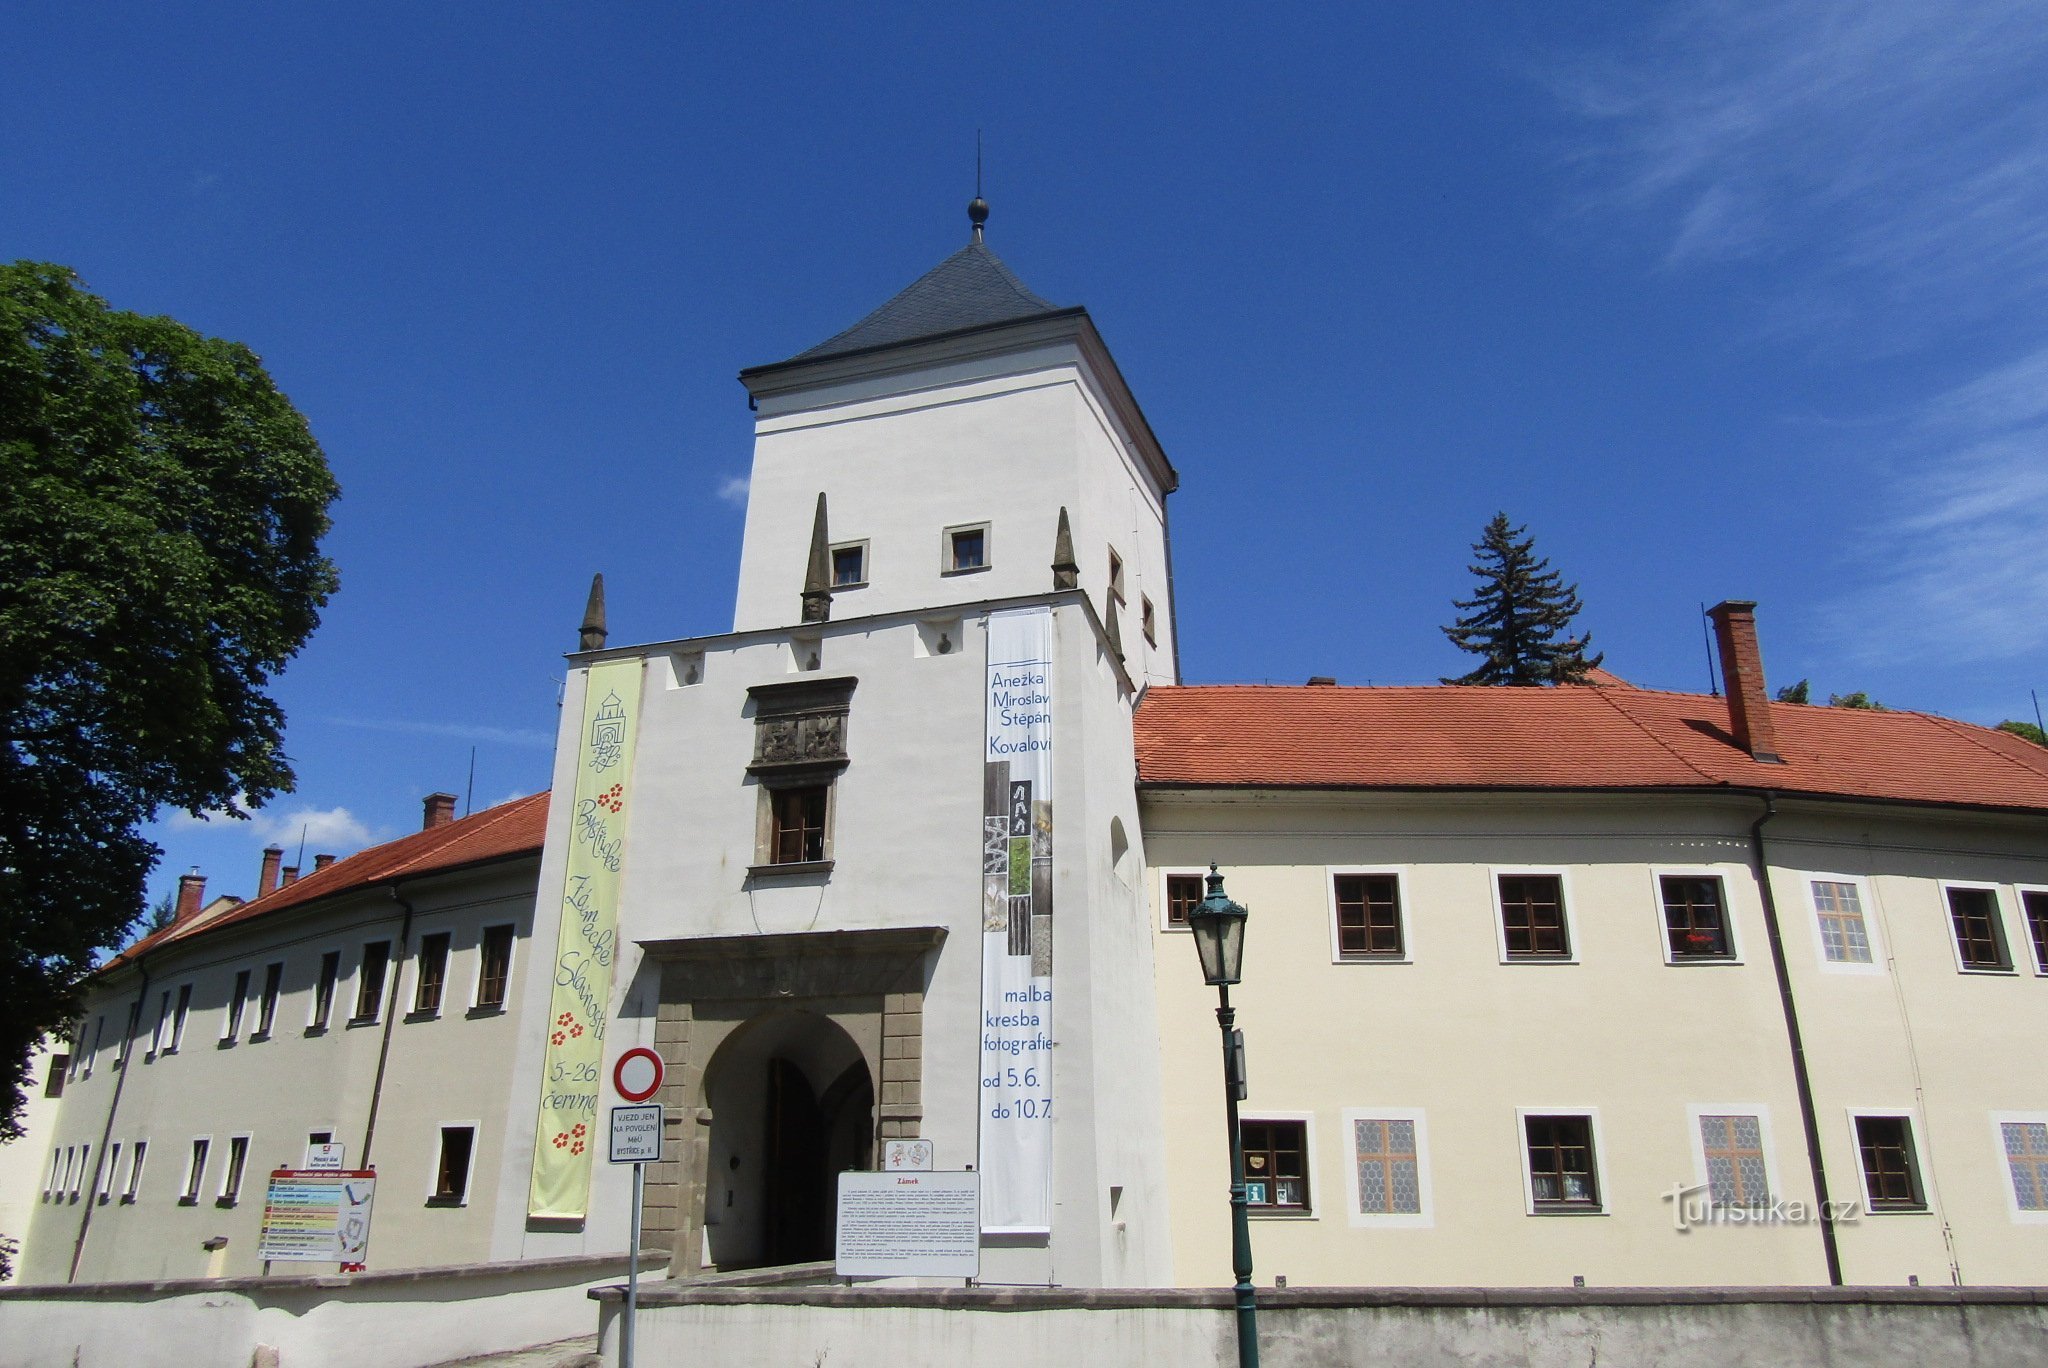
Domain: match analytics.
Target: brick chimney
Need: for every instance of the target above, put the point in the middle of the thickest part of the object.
(321, 862)
(439, 811)
(273, 856)
(191, 893)
(291, 876)
(1742, 675)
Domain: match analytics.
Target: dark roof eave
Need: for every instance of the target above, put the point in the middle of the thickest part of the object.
(831, 359)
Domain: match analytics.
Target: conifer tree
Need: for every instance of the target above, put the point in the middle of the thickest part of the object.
(1519, 622)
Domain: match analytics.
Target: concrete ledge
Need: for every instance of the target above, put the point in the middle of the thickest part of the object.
(538, 1270)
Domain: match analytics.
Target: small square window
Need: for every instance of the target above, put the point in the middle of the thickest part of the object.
(1532, 917)
(1561, 1172)
(1695, 917)
(1149, 620)
(1183, 895)
(1275, 1164)
(797, 824)
(1844, 935)
(433, 974)
(451, 1174)
(1891, 1172)
(370, 981)
(850, 565)
(2035, 903)
(1116, 575)
(966, 549)
(1368, 916)
(494, 974)
(1979, 930)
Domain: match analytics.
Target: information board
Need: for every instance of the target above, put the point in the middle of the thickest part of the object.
(924, 1225)
(318, 1217)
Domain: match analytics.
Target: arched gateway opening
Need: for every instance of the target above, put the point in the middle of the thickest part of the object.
(792, 1106)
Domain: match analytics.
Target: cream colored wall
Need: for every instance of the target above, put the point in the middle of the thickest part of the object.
(1466, 1040)
(444, 1069)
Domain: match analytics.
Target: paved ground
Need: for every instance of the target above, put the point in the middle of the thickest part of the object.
(580, 1352)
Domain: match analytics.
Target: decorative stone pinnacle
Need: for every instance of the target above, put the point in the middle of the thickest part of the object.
(1066, 572)
(593, 631)
(818, 574)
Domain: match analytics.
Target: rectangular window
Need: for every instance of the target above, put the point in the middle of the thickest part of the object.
(1844, 937)
(2035, 903)
(797, 834)
(178, 1018)
(60, 1068)
(1116, 575)
(1733, 1147)
(231, 1029)
(1891, 1173)
(238, 1162)
(1275, 1164)
(1148, 620)
(370, 981)
(51, 1182)
(2025, 1142)
(99, 1033)
(195, 1172)
(160, 1035)
(1532, 918)
(966, 548)
(1561, 1172)
(426, 998)
(78, 1173)
(104, 1190)
(1368, 916)
(1980, 933)
(1389, 1167)
(135, 1159)
(1695, 917)
(266, 1007)
(850, 565)
(75, 1061)
(1183, 895)
(494, 971)
(451, 1180)
(323, 990)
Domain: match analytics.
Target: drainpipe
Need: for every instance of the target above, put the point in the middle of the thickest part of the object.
(92, 1195)
(390, 1019)
(1800, 1079)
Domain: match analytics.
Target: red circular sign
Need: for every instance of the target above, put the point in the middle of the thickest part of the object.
(637, 1075)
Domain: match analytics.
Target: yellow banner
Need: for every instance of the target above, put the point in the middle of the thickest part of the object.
(568, 1137)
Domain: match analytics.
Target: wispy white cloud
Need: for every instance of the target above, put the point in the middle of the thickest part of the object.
(458, 731)
(328, 831)
(734, 491)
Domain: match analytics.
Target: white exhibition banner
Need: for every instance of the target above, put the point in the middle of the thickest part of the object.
(1016, 926)
(919, 1225)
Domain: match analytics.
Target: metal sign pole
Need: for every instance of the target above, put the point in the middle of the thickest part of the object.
(632, 1272)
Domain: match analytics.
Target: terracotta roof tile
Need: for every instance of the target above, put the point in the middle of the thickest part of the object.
(1602, 738)
(514, 828)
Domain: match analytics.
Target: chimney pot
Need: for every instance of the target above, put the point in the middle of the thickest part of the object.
(321, 862)
(1742, 676)
(438, 810)
(273, 856)
(1322, 681)
(291, 876)
(191, 893)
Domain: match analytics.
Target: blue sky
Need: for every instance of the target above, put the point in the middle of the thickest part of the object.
(1721, 299)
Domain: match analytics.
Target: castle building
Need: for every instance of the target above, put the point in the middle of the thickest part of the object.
(1585, 982)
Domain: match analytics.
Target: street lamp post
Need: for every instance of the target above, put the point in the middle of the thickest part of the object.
(1218, 927)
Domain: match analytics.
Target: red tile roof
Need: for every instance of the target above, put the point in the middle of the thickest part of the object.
(509, 829)
(1266, 736)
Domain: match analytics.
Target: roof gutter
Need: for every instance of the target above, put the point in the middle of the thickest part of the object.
(113, 1106)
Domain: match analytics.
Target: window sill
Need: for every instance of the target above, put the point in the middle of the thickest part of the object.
(447, 1201)
(188, 1200)
(1278, 1214)
(127, 1199)
(1917, 1209)
(1373, 959)
(226, 1043)
(1539, 959)
(418, 1015)
(794, 870)
(354, 1022)
(965, 570)
(226, 1201)
(259, 1037)
(1567, 1209)
(485, 1009)
(1694, 961)
(1989, 970)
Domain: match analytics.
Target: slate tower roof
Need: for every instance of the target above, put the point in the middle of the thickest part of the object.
(969, 289)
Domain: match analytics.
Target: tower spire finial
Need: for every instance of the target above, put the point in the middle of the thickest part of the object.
(591, 635)
(817, 595)
(977, 208)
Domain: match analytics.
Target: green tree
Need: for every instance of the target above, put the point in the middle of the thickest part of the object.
(161, 507)
(1795, 693)
(1859, 699)
(2026, 731)
(1518, 622)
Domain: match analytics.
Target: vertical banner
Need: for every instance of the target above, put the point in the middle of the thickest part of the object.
(587, 945)
(1016, 926)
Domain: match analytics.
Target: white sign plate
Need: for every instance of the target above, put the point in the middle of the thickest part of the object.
(923, 1225)
(907, 1156)
(324, 1157)
(636, 1134)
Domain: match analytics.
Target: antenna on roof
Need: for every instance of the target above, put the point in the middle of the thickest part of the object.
(1707, 640)
(2037, 709)
(302, 844)
(469, 794)
(977, 208)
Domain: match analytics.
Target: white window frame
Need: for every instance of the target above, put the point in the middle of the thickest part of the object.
(1389, 1220)
(866, 564)
(313, 1021)
(380, 1000)
(195, 1172)
(2020, 1216)
(1999, 925)
(138, 1152)
(1178, 871)
(1605, 1205)
(1697, 1111)
(2019, 895)
(78, 1174)
(1914, 1133)
(1148, 619)
(103, 1191)
(418, 961)
(1116, 573)
(1565, 892)
(1876, 967)
(227, 1170)
(162, 1028)
(54, 1182)
(1399, 874)
(476, 1131)
(1310, 1169)
(1659, 873)
(99, 1034)
(265, 1030)
(988, 549)
(476, 986)
(238, 1003)
(178, 1017)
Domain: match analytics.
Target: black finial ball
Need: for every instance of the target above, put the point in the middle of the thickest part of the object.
(977, 211)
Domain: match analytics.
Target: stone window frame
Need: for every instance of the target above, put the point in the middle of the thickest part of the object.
(1598, 1204)
(1696, 1116)
(799, 743)
(437, 1196)
(1402, 929)
(1496, 876)
(1732, 943)
(866, 565)
(2002, 960)
(1999, 1121)
(1918, 1201)
(1866, 907)
(1308, 1209)
(1423, 1219)
(949, 558)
